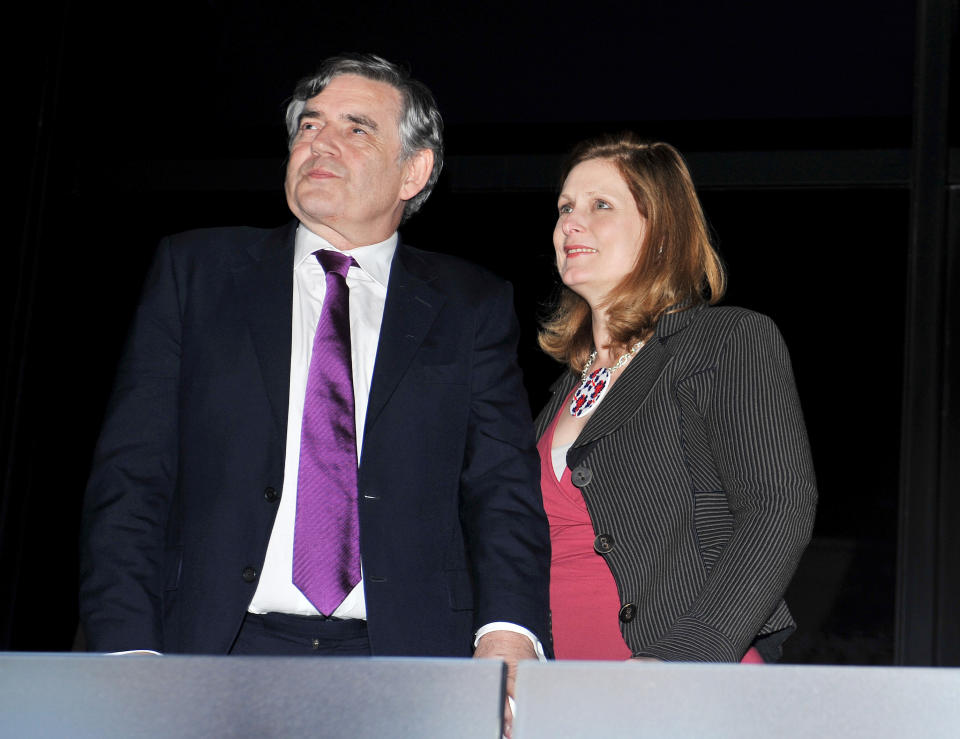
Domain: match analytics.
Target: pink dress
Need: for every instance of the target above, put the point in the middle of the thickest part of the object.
(584, 602)
(583, 594)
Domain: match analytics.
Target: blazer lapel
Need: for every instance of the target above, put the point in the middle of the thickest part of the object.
(560, 388)
(629, 392)
(264, 280)
(412, 306)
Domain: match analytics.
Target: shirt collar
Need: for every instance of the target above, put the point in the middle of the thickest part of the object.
(374, 259)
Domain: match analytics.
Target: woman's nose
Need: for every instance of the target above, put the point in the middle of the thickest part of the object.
(570, 225)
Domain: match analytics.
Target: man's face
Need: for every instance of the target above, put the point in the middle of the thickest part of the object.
(345, 180)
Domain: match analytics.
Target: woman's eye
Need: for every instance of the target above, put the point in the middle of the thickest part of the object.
(565, 208)
(602, 204)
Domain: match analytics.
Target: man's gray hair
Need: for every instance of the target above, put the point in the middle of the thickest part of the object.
(421, 126)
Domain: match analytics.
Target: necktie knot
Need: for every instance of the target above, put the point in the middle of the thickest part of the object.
(334, 261)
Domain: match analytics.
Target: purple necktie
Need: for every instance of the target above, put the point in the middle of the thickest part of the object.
(326, 538)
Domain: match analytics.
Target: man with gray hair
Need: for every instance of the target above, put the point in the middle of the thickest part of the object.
(319, 442)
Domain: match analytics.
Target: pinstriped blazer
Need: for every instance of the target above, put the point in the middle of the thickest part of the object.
(697, 475)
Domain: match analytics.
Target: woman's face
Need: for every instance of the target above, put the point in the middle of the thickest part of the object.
(599, 230)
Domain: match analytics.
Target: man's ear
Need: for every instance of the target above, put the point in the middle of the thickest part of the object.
(416, 172)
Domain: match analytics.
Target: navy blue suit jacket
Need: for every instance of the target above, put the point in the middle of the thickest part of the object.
(185, 480)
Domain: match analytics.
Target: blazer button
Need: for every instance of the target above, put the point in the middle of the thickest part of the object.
(249, 574)
(581, 476)
(627, 612)
(603, 544)
(271, 495)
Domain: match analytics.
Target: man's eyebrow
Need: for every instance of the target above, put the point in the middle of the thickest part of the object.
(307, 113)
(361, 120)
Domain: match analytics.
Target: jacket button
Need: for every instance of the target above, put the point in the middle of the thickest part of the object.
(271, 495)
(581, 476)
(603, 544)
(249, 574)
(627, 612)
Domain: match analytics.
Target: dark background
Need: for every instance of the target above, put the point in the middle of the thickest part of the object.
(799, 120)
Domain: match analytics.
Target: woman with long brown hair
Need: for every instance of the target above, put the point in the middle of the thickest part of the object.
(676, 471)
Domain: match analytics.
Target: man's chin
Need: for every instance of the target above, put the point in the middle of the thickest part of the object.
(313, 210)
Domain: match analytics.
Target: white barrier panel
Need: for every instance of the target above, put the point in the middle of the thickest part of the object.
(75, 695)
(568, 700)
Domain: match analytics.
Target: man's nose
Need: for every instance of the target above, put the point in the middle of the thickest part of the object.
(323, 141)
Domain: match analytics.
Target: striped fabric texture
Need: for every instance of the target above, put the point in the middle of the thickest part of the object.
(696, 466)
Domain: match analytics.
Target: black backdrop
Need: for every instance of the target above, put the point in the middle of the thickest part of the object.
(141, 121)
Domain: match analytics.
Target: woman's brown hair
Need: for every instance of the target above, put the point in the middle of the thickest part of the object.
(676, 268)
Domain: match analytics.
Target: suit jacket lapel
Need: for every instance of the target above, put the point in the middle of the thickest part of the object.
(264, 280)
(412, 306)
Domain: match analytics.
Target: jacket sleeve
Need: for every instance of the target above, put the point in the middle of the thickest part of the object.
(759, 445)
(133, 477)
(501, 508)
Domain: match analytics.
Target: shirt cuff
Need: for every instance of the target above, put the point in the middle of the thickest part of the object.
(134, 651)
(507, 626)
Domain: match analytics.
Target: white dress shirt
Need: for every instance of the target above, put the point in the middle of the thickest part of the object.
(368, 292)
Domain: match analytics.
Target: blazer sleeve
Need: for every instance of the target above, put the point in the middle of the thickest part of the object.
(501, 508)
(759, 445)
(133, 477)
